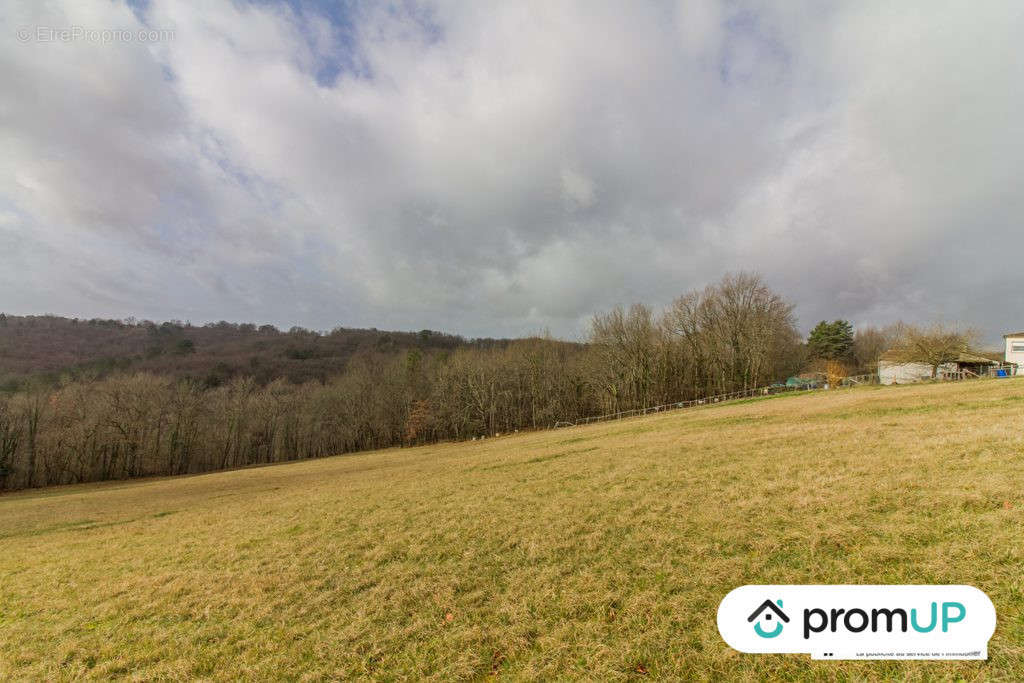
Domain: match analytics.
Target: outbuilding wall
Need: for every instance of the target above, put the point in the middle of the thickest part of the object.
(1015, 356)
(907, 373)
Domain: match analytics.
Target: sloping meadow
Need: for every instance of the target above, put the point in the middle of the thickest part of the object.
(596, 552)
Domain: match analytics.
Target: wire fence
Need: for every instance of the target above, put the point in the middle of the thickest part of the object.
(1005, 370)
(772, 390)
(758, 392)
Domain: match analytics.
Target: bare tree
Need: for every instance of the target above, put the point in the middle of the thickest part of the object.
(10, 436)
(871, 342)
(736, 334)
(625, 347)
(732, 335)
(934, 345)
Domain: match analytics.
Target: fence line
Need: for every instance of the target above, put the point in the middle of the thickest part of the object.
(771, 390)
(859, 380)
(1004, 370)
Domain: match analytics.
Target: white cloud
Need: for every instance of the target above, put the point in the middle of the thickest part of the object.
(495, 169)
(577, 190)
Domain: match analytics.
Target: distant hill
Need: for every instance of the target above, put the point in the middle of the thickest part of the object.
(46, 347)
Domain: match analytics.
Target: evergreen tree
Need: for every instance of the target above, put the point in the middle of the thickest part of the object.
(831, 340)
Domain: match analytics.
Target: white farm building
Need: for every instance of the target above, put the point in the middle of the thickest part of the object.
(892, 371)
(1014, 352)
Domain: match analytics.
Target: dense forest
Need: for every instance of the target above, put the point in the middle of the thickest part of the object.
(138, 398)
(45, 349)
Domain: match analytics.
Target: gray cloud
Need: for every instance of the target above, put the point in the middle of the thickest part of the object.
(499, 169)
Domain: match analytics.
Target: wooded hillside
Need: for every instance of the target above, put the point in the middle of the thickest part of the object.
(45, 347)
(147, 399)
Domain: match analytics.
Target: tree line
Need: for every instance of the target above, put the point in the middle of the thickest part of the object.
(37, 349)
(734, 335)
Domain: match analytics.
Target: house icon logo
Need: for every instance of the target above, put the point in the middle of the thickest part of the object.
(767, 612)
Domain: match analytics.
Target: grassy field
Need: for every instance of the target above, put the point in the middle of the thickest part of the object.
(597, 552)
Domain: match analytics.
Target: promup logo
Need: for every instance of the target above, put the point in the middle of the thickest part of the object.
(767, 608)
(860, 622)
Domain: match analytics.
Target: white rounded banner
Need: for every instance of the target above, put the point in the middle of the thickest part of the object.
(859, 622)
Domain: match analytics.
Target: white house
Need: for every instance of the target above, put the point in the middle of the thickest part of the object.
(1014, 352)
(893, 371)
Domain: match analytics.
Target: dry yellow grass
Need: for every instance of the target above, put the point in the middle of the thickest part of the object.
(599, 552)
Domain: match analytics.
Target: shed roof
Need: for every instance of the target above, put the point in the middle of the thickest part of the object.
(1013, 334)
(971, 358)
(892, 356)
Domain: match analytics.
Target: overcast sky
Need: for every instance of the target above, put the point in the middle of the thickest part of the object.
(498, 169)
